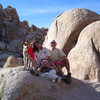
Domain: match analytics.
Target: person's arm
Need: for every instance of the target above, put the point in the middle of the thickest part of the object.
(62, 58)
(62, 55)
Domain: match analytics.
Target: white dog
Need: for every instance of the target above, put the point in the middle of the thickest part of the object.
(26, 57)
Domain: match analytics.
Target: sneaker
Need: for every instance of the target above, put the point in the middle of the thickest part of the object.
(53, 81)
(32, 71)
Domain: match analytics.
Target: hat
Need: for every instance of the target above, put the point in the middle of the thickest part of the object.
(53, 41)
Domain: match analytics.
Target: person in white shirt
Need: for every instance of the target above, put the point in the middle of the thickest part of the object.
(43, 60)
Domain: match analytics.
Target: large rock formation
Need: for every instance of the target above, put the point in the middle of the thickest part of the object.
(12, 61)
(85, 57)
(66, 27)
(4, 55)
(13, 31)
(18, 84)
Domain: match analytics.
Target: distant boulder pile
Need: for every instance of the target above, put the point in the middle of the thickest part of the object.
(13, 31)
(77, 33)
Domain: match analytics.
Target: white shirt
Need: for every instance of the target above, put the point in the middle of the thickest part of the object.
(42, 54)
(57, 53)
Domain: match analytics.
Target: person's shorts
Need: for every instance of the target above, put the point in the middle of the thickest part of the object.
(57, 62)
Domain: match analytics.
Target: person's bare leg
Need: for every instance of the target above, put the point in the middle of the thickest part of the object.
(54, 66)
(66, 63)
(33, 63)
(60, 69)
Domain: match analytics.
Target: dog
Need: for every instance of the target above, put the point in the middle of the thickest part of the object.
(26, 57)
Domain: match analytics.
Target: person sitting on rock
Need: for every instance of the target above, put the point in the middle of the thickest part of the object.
(59, 58)
(43, 62)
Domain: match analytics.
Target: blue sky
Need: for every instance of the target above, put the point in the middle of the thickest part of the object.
(42, 12)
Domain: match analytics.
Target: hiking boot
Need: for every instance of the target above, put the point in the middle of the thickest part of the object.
(32, 71)
(69, 75)
(68, 78)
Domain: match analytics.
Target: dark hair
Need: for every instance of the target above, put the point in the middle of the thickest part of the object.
(39, 41)
(35, 48)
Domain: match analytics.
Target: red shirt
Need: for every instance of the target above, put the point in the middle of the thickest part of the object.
(31, 53)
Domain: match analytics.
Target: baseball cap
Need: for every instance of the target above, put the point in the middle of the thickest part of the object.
(53, 41)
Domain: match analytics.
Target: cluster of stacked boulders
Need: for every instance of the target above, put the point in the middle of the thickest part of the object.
(77, 33)
(13, 31)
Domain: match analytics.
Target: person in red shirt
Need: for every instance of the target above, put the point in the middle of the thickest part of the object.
(31, 53)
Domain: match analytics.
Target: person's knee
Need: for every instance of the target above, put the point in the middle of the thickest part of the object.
(52, 71)
(45, 64)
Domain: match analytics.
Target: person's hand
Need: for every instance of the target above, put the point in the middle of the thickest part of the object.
(37, 69)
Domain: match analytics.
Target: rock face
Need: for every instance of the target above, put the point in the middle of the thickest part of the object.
(85, 57)
(66, 27)
(12, 61)
(18, 84)
(13, 31)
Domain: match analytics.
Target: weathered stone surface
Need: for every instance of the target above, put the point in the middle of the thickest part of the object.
(7, 47)
(11, 22)
(12, 61)
(13, 31)
(2, 45)
(10, 11)
(34, 34)
(84, 58)
(18, 84)
(2, 63)
(19, 61)
(4, 55)
(66, 27)
(23, 28)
